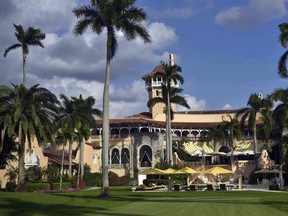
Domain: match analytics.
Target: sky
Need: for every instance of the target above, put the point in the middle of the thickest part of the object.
(227, 49)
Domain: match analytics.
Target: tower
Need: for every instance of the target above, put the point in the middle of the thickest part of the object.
(153, 84)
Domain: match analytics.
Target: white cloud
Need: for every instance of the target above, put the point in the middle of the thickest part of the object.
(227, 107)
(256, 13)
(193, 103)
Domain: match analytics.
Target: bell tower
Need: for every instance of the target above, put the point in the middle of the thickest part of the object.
(153, 84)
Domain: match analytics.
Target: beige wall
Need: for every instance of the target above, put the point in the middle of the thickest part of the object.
(195, 117)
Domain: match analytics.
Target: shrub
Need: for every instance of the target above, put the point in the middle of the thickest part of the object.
(93, 179)
(33, 174)
(11, 186)
(82, 183)
(31, 187)
(65, 185)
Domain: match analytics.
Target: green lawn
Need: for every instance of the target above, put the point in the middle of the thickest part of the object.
(126, 203)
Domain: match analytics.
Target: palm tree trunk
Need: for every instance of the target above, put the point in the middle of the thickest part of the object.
(24, 68)
(171, 162)
(21, 161)
(168, 159)
(255, 145)
(105, 192)
(82, 158)
(70, 158)
(62, 167)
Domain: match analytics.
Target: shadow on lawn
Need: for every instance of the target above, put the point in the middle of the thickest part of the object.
(12, 207)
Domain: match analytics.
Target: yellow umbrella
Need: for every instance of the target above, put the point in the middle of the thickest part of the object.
(169, 171)
(217, 170)
(153, 171)
(188, 170)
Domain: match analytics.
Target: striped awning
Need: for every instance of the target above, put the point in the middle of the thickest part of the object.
(197, 148)
(244, 147)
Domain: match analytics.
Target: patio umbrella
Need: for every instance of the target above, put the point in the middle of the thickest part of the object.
(171, 171)
(188, 170)
(217, 170)
(152, 171)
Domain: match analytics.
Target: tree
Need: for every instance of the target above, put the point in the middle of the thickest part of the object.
(280, 113)
(283, 38)
(232, 126)
(170, 95)
(30, 37)
(74, 114)
(112, 15)
(28, 113)
(215, 134)
(63, 136)
(257, 105)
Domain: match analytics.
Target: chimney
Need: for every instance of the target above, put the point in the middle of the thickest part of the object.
(171, 59)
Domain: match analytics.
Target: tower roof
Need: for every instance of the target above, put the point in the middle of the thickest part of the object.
(157, 70)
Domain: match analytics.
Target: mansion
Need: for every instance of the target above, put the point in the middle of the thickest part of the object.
(138, 141)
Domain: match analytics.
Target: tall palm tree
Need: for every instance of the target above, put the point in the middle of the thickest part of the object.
(283, 38)
(257, 105)
(76, 113)
(28, 113)
(169, 97)
(30, 37)
(232, 126)
(112, 15)
(86, 111)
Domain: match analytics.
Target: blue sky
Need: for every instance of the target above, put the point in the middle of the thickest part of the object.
(227, 49)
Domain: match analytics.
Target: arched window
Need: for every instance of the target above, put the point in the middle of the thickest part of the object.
(125, 158)
(145, 156)
(115, 158)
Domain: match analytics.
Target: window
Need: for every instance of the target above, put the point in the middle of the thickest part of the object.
(94, 158)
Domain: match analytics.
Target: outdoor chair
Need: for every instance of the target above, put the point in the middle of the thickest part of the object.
(209, 187)
(222, 187)
(193, 187)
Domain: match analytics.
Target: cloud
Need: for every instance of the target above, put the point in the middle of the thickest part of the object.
(76, 65)
(227, 107)
(193, 103)
(256, 13)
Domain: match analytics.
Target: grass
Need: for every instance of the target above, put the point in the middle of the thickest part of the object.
(126, 203)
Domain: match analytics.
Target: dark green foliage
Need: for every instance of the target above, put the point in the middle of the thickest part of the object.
(33, 174)
(31, 187)
(65, 185)
(51, 172)
(11, 186)
(82, 183)
(8, 151)
(115, 180)
(93, 179)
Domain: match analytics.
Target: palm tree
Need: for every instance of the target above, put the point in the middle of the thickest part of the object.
(30, 37)
(233, 128)
(215, 134)
(75, 113)
(283, 38)
(257, 105)
(28, 113)
(280, 113)
(111, 15)
(85, 109)
(63, 135)
(11, 174)
(169, 98)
